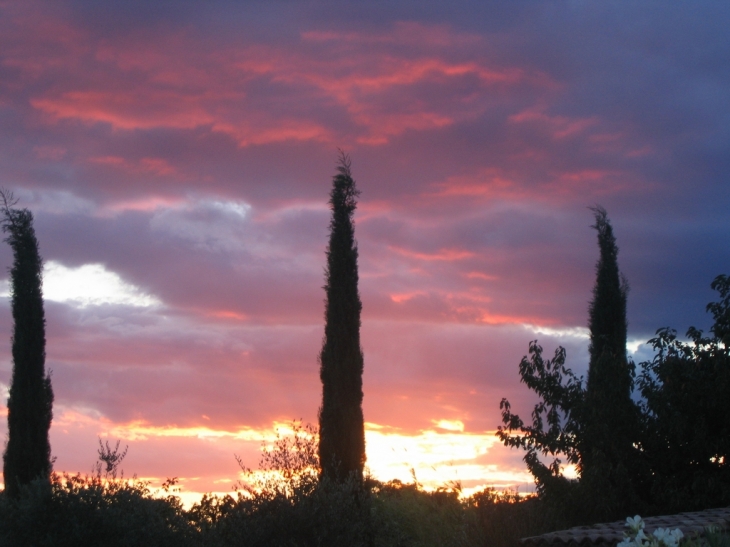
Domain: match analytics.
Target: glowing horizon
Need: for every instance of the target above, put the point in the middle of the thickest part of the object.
(436, 457)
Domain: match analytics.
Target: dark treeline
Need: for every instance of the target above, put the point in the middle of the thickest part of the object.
(665, 453)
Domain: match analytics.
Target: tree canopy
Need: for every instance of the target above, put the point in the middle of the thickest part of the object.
(686, 431)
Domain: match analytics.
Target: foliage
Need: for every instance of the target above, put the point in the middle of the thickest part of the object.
(555, 428)
(30, 404)
(292, 507)
(286, 502)
(609, 466)
(109, 460)
(342, 433)
(712, 537)
(502, 518)
(607, 311)
(670, 453)
(686, 431)
(80, 510)
(596, 427)
(291, 465)
(406, 515)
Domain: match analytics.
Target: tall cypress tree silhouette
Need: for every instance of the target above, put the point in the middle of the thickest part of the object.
(341, 427)
(607, 311)
(594, 428)
(610, 417)
(30, 404)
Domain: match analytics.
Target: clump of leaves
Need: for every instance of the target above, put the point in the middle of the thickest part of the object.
(556, 425)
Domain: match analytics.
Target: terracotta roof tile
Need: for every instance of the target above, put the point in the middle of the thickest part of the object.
(611, 533)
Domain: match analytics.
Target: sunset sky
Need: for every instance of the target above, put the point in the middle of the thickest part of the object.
(178, 157)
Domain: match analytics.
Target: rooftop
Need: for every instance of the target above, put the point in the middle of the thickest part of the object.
(691, 524)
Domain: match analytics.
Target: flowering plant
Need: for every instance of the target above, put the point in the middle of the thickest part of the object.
(661, 537)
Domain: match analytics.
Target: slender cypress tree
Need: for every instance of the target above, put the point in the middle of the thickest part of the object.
(30, 405)
(610, 381)
(595, 428)
(341, 427)
(607, 312)
(608, 463)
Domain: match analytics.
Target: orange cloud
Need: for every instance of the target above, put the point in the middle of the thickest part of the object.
(446, 255)
(404, 297)
(499, 319)
(229, 314)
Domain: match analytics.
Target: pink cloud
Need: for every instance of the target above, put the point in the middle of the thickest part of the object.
(559, 126)
(144, 83)
(482, 276)
(447, 255)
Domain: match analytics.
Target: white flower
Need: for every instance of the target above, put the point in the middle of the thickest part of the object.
(668, 538)
(635, 523)
(662, 537)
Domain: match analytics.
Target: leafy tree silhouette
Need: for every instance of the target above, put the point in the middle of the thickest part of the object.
(686, 407)
(595, 427)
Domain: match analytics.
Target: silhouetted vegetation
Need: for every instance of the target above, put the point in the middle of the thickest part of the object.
(284, 503)
(342, 431)
(596, 427)
(668, 453)
(609, 466)
(686, 390)
(30, 403)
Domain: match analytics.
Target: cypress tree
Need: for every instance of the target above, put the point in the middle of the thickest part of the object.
(30, 404)
(596, 427)
(608, 462)
(607, 312)
(341, 427)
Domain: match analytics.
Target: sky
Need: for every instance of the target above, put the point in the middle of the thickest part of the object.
(178, 156)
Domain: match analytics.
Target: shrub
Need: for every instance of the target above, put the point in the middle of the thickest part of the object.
(80, 510)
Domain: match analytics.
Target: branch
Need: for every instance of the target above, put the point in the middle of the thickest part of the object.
(8, 201)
